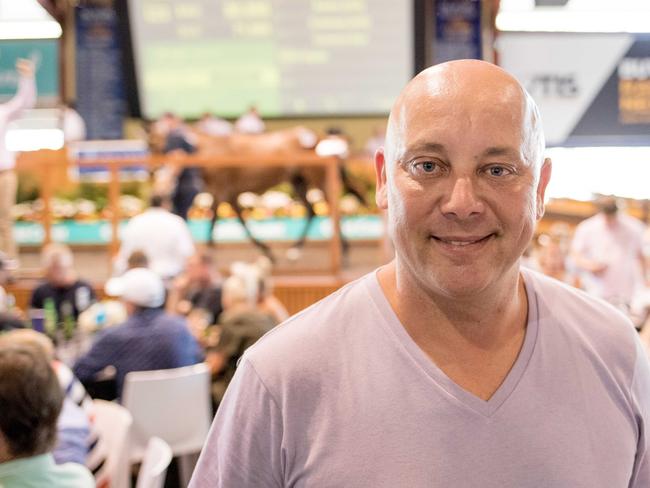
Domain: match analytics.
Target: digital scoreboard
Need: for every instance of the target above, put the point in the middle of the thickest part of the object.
(289, 58)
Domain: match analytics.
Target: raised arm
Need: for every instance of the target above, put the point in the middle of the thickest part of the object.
(25, 97)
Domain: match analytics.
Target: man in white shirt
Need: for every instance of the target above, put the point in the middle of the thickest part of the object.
(164, 238)
(25, 98)
(608, 250)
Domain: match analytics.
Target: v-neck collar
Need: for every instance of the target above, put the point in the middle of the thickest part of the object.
(486, 408)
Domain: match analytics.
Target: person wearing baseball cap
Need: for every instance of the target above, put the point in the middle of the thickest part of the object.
(149, 339)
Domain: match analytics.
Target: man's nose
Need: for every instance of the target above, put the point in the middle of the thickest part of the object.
(462, 201)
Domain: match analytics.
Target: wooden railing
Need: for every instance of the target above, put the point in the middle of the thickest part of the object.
(44, 162)
(295, 293)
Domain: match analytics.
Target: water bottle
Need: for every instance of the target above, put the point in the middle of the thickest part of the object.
(50, 316)
(68, 319)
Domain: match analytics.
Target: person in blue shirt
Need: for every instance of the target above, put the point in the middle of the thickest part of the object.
(149, 339)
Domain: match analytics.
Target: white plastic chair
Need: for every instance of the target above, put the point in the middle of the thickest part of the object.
(154, 466)
(173, 404)
(113, 423)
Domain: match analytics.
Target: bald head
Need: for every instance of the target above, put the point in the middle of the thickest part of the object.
(458, 88)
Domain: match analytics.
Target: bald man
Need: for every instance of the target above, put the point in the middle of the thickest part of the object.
(450, 366)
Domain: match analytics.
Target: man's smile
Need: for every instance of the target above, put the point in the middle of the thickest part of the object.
(458, 242)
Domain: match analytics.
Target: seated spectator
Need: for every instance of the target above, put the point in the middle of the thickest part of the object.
(250, 122)
(70, 295)
(77, 441)
(31, 401)
(210, 125)
(198, 287)
(149, 339)
(110, 311)
(240, 325)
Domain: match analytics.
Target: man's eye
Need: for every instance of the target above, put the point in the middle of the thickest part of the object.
(428, 166)
(425, 168)
(499, 171)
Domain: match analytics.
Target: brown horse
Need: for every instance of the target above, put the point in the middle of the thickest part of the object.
(225, 184)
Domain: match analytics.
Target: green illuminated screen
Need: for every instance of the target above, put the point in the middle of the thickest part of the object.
(287, 57)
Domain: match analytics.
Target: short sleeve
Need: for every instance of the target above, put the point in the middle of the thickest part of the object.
(244, 446)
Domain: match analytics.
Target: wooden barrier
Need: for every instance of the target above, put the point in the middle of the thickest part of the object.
(295, 293)
(44, 162)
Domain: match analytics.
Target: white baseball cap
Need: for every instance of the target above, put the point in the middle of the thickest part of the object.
(139, 286)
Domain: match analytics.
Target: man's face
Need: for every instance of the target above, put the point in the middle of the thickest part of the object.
(462, 198)
(58, 273)
(196, 271)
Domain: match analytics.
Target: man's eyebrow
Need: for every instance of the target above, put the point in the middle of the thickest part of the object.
(425, 147)
(501, 151)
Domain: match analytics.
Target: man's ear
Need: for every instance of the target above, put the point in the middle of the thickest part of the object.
(380, 178)
(544, 178)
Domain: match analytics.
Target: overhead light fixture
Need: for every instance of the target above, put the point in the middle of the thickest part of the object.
(23, 29)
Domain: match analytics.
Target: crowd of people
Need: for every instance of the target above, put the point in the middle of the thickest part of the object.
(166, 306)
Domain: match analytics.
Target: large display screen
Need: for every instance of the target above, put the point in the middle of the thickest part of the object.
(286, 57)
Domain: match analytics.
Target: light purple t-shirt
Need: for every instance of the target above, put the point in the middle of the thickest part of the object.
(341, 396)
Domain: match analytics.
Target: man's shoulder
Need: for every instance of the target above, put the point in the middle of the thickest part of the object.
(73, 474)
(114, 333)
(633, 224)
(153, 215)
(172, 320)
(169, 324)
(131, 329)
(583, 318)
(43, 288)
(590, 223)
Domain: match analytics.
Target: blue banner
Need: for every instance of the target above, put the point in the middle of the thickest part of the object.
(101, 99)
(458, 30)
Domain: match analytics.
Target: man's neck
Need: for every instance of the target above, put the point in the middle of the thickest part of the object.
(475, 341)
(482, 314)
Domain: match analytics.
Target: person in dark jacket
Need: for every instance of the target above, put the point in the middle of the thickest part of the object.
(149, 339)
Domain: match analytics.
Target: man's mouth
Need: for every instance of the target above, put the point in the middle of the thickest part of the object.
(462, 241)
